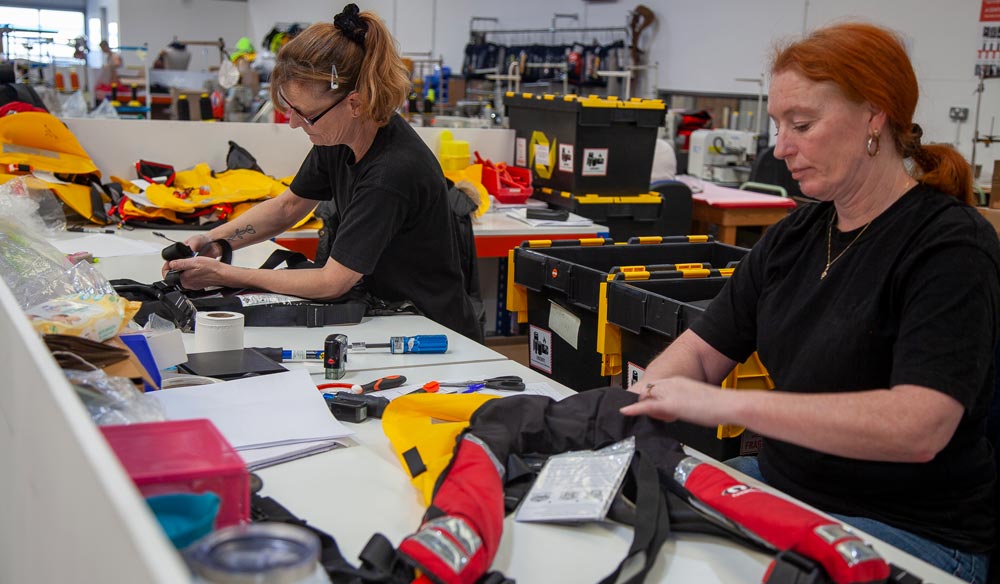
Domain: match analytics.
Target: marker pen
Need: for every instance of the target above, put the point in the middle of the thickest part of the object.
(77, 229)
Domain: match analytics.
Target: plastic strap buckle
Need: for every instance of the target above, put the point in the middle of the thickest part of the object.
(789, 567)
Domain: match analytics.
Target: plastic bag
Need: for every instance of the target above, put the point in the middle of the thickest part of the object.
(51, 100)
(105, 111)
(35, 271)
(75, 106)
(29, 201)
(114, 400)
(97, 317)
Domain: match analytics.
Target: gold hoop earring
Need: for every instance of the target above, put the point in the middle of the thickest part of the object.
(872, 139)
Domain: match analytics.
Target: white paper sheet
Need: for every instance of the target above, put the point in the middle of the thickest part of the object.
(541, 388)
(106, 246)
(256, 412)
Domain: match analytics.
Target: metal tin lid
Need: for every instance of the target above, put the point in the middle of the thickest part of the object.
(242, 554)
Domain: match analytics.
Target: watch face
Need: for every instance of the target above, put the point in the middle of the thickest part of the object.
(256, 484)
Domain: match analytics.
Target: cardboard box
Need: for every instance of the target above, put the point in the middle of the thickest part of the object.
(992, 215)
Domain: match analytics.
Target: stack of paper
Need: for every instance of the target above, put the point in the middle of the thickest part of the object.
(268, 419)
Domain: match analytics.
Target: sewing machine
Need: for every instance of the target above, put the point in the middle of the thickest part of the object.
(722, 156)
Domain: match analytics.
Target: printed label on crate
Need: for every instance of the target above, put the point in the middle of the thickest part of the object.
(540, 348)
(541, 155)
(565, 324)
(632, 374)
(520, 152)
(750, 443)
(595, 162)
(565, 158)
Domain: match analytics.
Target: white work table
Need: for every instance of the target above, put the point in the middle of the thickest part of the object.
(354, 492)
(107, 534)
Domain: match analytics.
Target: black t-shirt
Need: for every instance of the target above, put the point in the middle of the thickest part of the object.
(915, 300)
(394, 224)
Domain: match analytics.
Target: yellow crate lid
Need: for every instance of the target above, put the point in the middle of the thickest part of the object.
(639, 103)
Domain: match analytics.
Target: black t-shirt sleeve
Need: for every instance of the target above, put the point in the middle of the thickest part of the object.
(729, 324)
(948, 321)
(312, 180)
(369, 223)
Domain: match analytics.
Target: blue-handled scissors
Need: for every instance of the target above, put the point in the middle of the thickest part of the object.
(503, 383)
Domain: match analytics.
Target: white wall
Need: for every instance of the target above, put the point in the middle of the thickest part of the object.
(701, 45)
(157, 22)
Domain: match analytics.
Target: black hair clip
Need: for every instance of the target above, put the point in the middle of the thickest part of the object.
(351, 24)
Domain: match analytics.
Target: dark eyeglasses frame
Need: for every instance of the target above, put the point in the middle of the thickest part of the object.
(334, 84)
(313, 120)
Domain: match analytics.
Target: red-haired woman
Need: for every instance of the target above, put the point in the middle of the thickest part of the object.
(342, 83)
(876, 312)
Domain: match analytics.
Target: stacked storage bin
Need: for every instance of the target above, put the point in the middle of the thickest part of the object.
(645, 315)
(593, 156)
(592, 305)
(557, 288)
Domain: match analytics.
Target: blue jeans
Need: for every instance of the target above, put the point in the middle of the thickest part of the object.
(969, 567)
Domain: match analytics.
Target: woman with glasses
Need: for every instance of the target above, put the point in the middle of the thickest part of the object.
(393, 232)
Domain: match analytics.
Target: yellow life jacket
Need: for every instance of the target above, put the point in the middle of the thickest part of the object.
(425, 425)
(43, 144)
(196, 188)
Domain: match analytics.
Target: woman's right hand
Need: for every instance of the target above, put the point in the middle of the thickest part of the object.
(200, 244)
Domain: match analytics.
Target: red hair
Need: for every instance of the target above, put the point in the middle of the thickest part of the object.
(870, 64)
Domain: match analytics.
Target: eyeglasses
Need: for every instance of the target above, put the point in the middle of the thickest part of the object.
(309, 121)
(334, 84)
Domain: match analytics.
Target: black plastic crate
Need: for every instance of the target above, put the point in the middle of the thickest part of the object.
(650, 315)
(577, 271)
(567, 275)
(666, 211)
(585, 144)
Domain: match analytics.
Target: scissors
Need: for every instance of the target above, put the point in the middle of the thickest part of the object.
(503, 383)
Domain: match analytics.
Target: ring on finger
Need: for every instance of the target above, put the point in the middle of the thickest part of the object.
(649, 390)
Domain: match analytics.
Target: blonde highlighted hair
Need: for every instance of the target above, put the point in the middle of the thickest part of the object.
(375, 70)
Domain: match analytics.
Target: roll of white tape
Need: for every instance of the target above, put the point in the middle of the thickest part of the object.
(218, 331)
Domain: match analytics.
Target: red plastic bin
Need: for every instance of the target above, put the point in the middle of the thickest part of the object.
(506, 194)
(184, 456)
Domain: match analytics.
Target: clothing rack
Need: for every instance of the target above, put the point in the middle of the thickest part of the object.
(551, 36)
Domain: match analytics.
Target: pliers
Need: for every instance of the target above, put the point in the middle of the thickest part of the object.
(503, 383)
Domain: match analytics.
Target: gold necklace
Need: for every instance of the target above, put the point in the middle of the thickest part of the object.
(829, 243)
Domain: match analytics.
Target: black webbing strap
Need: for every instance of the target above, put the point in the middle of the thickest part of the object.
(378, 558)
(651, 525)
(293, 259)
(227, 250)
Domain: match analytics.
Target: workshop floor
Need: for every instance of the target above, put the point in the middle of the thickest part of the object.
(514, 348)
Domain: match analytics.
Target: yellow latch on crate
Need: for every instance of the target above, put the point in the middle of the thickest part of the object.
(609, 337)
(751, 374)
(517, 295)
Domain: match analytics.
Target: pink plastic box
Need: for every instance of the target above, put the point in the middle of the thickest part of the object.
(184, 456)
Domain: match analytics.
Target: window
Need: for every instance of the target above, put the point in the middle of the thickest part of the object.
(64, 27)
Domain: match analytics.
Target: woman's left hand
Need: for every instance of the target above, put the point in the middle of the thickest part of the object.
(198, 273)
(678, 398)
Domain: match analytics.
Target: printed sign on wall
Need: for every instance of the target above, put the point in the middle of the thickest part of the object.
(988, 53)
(990, 11)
